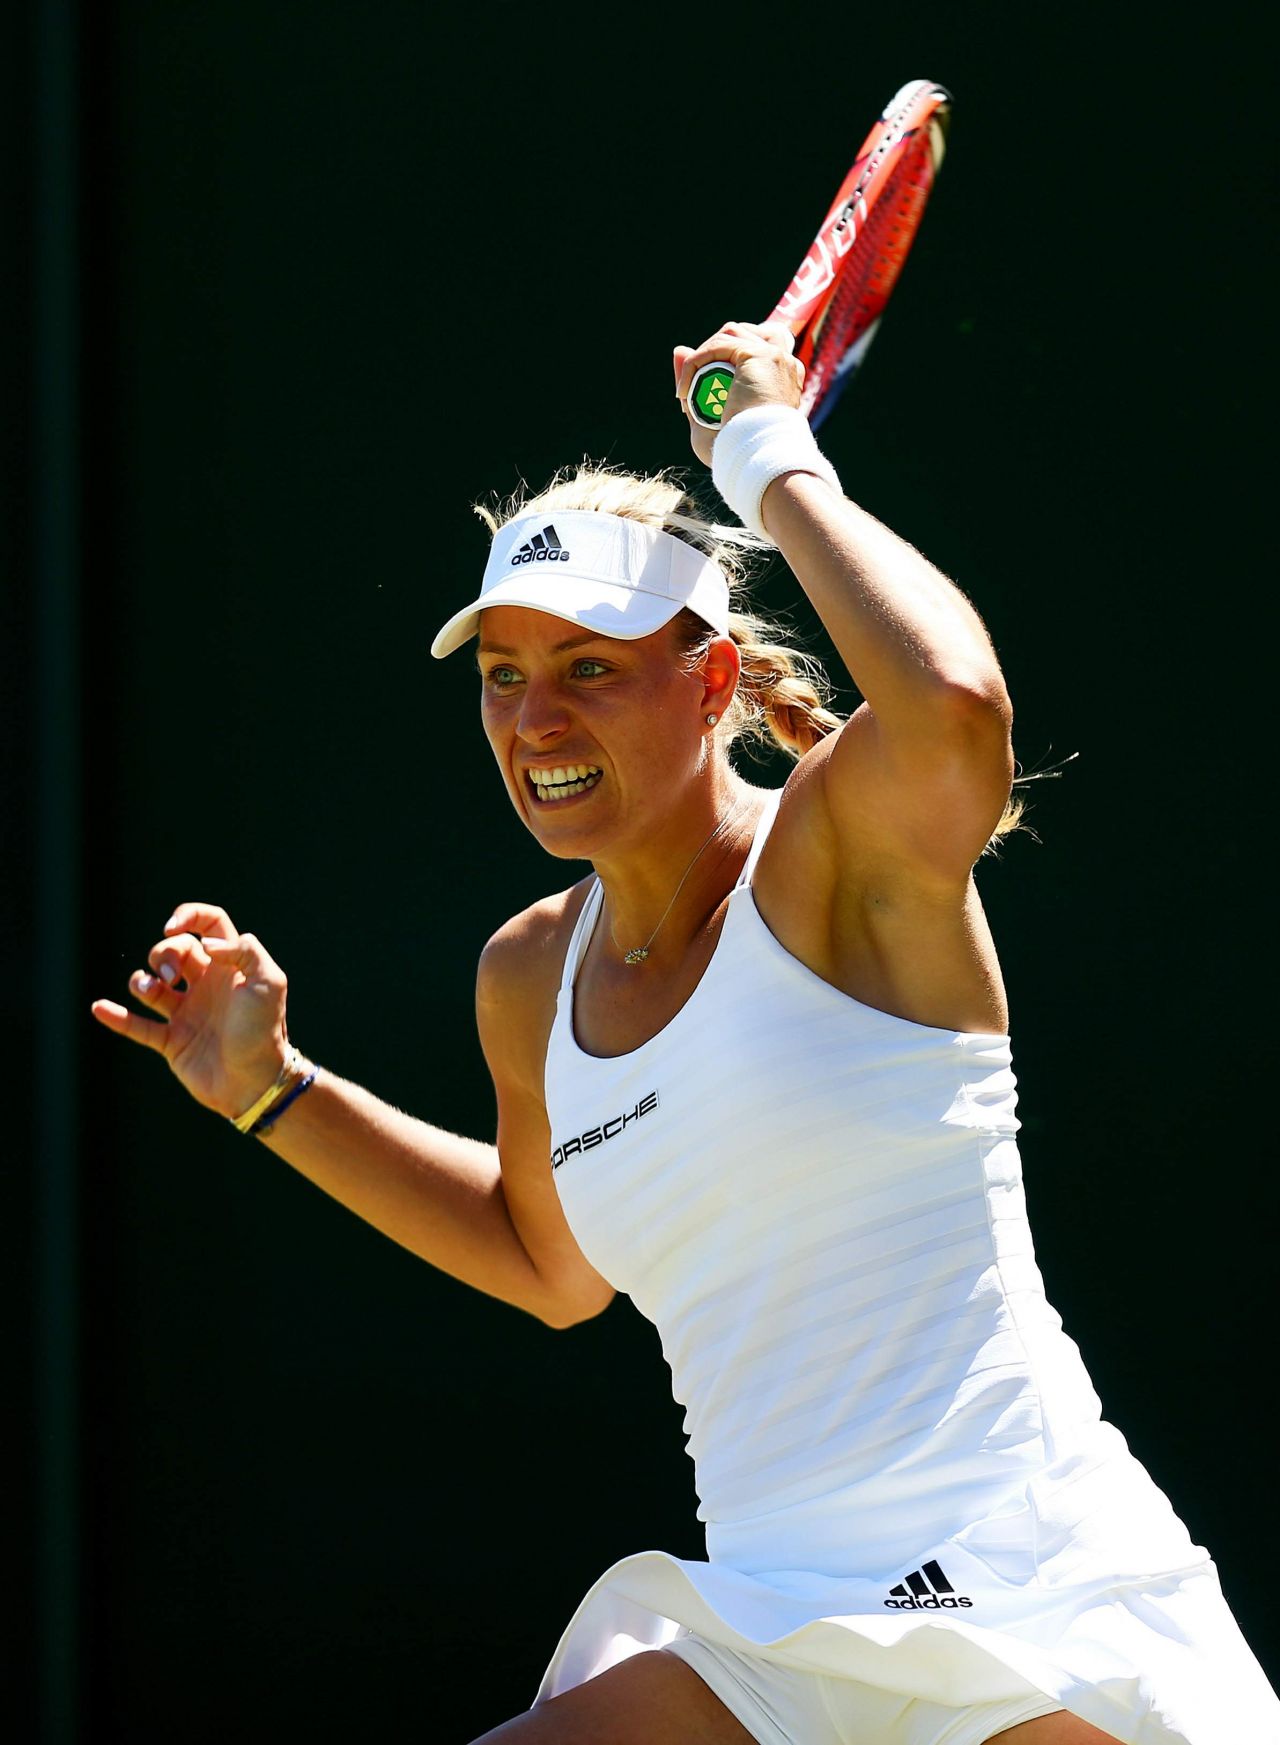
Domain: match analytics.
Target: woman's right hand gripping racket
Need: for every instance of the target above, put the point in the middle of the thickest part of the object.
(834, 303)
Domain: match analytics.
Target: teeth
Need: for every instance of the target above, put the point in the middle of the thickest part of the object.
(574, 772)
(560, 782)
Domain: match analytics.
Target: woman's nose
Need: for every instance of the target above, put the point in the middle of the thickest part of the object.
(543, 716)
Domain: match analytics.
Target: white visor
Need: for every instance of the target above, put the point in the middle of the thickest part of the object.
(606, 572)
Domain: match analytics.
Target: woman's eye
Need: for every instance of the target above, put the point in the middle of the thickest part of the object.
(501, 675)
(596, 668)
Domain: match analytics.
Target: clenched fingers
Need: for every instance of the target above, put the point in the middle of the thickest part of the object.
(246, 953)
(736, 343)
(206, 918)
(775, 333)
(182, 958)
(155, 993)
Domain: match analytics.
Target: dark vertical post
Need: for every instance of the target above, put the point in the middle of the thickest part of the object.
(55, 567)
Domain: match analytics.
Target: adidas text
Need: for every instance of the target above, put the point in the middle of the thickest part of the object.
(926, 1590)
(544, 547)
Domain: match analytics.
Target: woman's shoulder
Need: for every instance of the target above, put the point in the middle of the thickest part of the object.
(517, 982)
(520, 967)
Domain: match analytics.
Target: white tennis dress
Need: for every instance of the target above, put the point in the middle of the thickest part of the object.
(901, 1463)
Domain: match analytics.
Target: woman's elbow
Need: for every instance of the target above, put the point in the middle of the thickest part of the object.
(978, 703)
(566, 1313)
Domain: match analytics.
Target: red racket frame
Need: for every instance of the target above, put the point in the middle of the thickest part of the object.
(834, 303)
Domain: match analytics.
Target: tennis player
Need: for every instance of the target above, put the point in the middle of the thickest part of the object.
(755, 1071)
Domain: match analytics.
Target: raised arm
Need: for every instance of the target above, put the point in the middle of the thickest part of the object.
(923, 769)
(439, 1195)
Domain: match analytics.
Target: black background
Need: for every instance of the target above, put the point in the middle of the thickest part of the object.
(342, 270)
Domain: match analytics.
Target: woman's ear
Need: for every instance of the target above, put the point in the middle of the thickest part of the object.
(719, 670)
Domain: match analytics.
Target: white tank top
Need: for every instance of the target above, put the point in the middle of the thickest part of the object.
(901, 1464)
(820, 1207)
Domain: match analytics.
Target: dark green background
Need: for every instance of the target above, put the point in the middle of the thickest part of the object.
(338, 271)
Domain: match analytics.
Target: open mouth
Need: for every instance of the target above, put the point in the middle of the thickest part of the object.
(561, 781)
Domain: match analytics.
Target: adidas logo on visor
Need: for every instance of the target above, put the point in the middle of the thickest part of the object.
(926, 1590)
(544, 547)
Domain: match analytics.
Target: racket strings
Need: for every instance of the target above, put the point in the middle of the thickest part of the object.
(867, 274)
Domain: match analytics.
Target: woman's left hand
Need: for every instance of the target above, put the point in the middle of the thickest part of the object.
(766, 373)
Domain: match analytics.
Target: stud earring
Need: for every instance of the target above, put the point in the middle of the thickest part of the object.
(711, 720)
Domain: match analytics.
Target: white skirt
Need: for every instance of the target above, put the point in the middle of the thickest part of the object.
(1163, 1663)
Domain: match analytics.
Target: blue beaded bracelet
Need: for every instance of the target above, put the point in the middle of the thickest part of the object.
(274, 1113)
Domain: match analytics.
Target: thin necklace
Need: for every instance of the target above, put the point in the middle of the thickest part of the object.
(638, 953)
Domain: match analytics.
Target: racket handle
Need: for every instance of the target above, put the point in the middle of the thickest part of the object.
(708, 392)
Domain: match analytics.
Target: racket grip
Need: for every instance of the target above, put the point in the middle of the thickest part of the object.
(708, 392)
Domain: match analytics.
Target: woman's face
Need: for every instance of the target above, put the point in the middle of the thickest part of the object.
(595, 738)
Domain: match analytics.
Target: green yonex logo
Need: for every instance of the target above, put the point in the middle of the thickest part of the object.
(710, 391)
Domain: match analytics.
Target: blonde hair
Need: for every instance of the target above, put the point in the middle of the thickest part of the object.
(783, 692)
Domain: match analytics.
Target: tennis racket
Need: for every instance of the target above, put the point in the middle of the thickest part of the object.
(834, 303)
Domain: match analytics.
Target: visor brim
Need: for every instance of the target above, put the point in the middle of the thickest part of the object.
(608, 608)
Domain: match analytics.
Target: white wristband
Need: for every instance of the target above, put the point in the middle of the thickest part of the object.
(756, 447)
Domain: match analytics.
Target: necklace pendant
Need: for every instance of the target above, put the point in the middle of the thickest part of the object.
(637, 954)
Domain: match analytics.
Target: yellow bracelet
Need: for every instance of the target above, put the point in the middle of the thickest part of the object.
(288, 1072)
